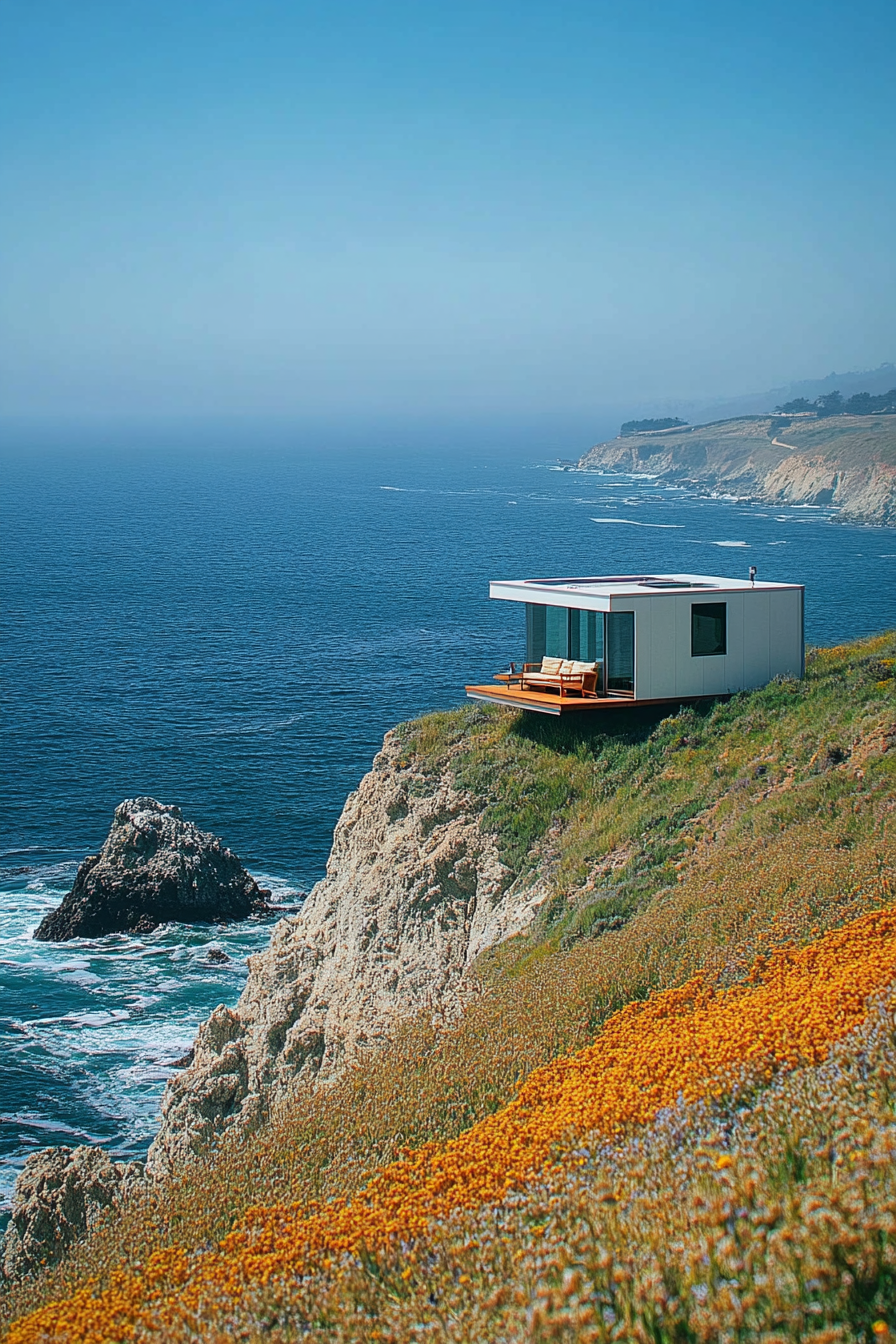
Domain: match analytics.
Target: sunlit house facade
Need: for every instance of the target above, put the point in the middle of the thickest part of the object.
(647, 638)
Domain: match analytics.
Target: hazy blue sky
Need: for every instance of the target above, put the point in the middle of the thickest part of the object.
(350, 212)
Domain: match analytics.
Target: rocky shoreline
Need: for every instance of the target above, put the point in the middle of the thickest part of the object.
(59, 1195)
(772, 460)
(414, 892)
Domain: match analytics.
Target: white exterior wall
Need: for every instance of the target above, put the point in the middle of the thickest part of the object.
(757, 659)
(786, 634)
(765, 634)
(660, 656)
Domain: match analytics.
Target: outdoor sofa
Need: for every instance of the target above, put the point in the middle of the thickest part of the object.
(567, 676)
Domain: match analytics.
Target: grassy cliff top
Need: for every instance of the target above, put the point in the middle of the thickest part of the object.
(851, 440)
(726, 446)
(616, 806)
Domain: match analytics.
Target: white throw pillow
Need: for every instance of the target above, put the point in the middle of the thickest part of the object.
(551, 665)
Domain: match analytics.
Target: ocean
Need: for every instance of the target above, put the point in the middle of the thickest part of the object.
(233, 629)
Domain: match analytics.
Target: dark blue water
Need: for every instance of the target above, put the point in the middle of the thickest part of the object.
(234, 631)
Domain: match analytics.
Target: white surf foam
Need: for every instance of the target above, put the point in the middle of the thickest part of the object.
(103, 1020)
(631, 522)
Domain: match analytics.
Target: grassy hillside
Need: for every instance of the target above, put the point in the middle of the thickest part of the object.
(850, 440)
(619, 807)
(703, 841)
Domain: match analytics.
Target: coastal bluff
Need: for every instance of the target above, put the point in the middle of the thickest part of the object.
(414, 892)
(634, 872)
(848, 462)
(154, 867)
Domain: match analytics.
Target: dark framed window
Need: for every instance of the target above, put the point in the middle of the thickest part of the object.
(709, 629)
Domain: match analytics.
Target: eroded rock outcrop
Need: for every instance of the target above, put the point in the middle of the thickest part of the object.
(414, 891)
(155, 867)
(59, 1194)
(863, 494)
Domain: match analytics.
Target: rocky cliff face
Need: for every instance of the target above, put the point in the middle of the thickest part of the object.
(414, 891)
(60, 1193)
(848, 464)
(154, 867)
(863, 495)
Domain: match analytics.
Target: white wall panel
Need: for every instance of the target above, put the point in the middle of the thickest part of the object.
(785, 633)
(663, 658)
(716, 680)
(734, 663)
(756, 637)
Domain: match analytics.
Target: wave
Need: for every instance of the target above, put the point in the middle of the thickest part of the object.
(29, 849)
(631, 522)
(246, 729)
(91, 1029)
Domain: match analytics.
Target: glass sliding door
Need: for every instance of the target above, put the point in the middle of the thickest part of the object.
(535, 632)
(586, 635)
(586, 640)
(567, 632)
(556, 644)
(547, 632)
(621, 653)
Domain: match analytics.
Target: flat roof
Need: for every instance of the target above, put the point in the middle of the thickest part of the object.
(602, 588)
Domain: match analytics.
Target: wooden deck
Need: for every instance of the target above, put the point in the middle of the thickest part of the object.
(545, 702)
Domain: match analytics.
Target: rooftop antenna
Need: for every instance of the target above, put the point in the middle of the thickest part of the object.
(753, 575)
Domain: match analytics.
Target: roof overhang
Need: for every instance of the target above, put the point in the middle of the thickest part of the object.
(602, 592)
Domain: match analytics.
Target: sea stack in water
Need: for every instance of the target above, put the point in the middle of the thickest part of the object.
(153, 868)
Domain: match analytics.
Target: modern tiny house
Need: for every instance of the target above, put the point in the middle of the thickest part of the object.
(592, 642)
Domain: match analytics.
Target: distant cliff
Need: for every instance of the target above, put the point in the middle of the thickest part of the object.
(845, 461)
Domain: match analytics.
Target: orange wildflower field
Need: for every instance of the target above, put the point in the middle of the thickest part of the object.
(684, 1044)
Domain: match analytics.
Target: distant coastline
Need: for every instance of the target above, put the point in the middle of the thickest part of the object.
(847, 462)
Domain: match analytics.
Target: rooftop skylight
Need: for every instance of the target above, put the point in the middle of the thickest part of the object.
(644, 580)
